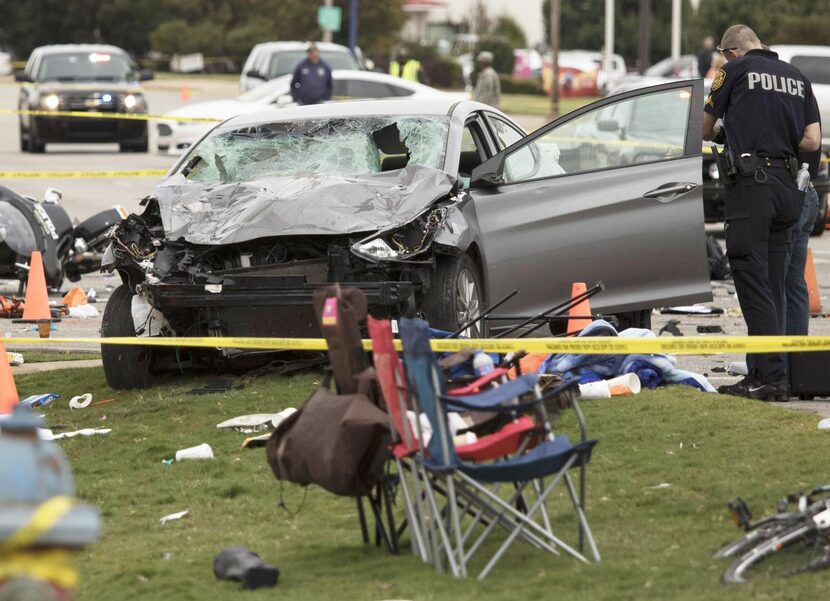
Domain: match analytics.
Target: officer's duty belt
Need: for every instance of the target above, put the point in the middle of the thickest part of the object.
(773, 163)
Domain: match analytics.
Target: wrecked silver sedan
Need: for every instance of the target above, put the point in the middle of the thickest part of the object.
(432, 207)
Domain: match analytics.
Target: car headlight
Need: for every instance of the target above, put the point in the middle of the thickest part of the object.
(133, 102)
(50, 102)
(403, 242)
(376, 249)
(713, 171)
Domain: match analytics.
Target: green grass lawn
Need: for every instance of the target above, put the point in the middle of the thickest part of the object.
(655, 543)
(42, 356)
(528, 104)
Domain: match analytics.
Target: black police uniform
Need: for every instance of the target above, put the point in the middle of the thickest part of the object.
(766, 104)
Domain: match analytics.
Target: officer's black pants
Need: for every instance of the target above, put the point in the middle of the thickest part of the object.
(759, 217)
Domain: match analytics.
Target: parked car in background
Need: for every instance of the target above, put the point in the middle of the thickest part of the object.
(814, 64)
(270, 60)
(81, 77)
(174, 137)
(436, 207)
(668, 69)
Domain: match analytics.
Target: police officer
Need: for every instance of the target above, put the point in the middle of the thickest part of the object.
(311, 82)
(769, 115)
(407, 67)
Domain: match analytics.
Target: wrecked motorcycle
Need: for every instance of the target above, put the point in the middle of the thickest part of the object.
(68, 250)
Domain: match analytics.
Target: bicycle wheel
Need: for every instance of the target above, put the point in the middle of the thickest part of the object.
(747, 566)
(752, 538)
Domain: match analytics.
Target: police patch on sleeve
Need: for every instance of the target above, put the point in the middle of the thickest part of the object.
(718, 79)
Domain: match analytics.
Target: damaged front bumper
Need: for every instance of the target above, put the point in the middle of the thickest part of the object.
(264, 305)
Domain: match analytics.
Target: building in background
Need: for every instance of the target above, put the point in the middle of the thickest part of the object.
(428, 19)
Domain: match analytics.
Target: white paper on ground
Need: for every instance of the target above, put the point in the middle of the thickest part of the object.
(80, 402)
(257, 421)
(174, 516)
(48, 435)
(84, 311)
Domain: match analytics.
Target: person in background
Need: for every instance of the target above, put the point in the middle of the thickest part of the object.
(796, 297)
(407, 67)
(488, 86)
(704, 55)
(312, 83)
(717, 62)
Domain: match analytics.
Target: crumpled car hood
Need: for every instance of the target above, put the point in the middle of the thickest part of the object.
(296, 205)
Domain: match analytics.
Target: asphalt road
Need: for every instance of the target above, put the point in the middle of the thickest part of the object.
(86, 196)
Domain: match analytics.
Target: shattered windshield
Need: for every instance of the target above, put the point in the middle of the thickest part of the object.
(340, 146)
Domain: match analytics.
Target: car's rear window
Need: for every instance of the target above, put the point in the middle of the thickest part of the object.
(84, 66)
(814, 68)
(283, 63)
(340, 146)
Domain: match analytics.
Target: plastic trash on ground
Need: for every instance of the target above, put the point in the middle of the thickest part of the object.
(84, 311)
(202, 451)
(174, 516)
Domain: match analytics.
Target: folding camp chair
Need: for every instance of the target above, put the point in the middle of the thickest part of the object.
(338, 312)
(440, 462)
(513, 436)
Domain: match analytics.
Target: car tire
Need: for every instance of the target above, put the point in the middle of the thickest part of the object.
(454, 294)
(821, 217)
(24, 140)
(125, 367)
(34, 143)
(634, 319)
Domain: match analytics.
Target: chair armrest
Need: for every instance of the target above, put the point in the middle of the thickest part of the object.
(496, 399)
(475, 386)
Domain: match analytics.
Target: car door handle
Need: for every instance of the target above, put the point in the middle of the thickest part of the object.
(668, 192)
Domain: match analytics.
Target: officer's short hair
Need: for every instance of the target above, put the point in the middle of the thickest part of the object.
(741, 37)
(311, 46)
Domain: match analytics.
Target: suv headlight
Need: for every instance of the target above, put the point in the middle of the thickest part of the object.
(376, 249)
(50, 102)
(133, 102)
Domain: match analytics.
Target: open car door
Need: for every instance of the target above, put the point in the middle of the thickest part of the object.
(610, 192)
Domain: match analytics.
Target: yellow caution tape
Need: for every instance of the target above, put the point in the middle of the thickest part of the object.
(44, 518)
(595, 345)
(50, 565)
(81, 174)
(101, 115)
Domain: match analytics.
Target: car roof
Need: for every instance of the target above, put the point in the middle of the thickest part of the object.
(790, 50)
(356, 74)
(62, 48)
(277, 46)
(357, 108)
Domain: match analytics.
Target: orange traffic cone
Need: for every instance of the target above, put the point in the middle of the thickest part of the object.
(185, 95)
(8, 391)
(812, 284)
(36, 305)
(580, 315)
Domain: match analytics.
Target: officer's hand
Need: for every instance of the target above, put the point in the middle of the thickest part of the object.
(719, 136)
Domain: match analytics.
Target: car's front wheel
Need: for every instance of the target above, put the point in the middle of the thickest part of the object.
(125, 367)
(455, 296)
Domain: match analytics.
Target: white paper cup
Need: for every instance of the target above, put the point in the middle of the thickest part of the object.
(595, 390)
(624, 385)
(203, 451)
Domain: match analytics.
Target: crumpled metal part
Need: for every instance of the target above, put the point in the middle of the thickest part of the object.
(214, 214)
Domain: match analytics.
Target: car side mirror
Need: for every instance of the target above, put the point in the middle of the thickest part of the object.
(254, 73)
(484, 176)
(608, 125)
(22, 77)
(146, 75)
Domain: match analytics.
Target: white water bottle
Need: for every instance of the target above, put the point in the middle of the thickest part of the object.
(483, 363)
(802, 180)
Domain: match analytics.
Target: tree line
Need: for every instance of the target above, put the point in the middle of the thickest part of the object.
(213, 27)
